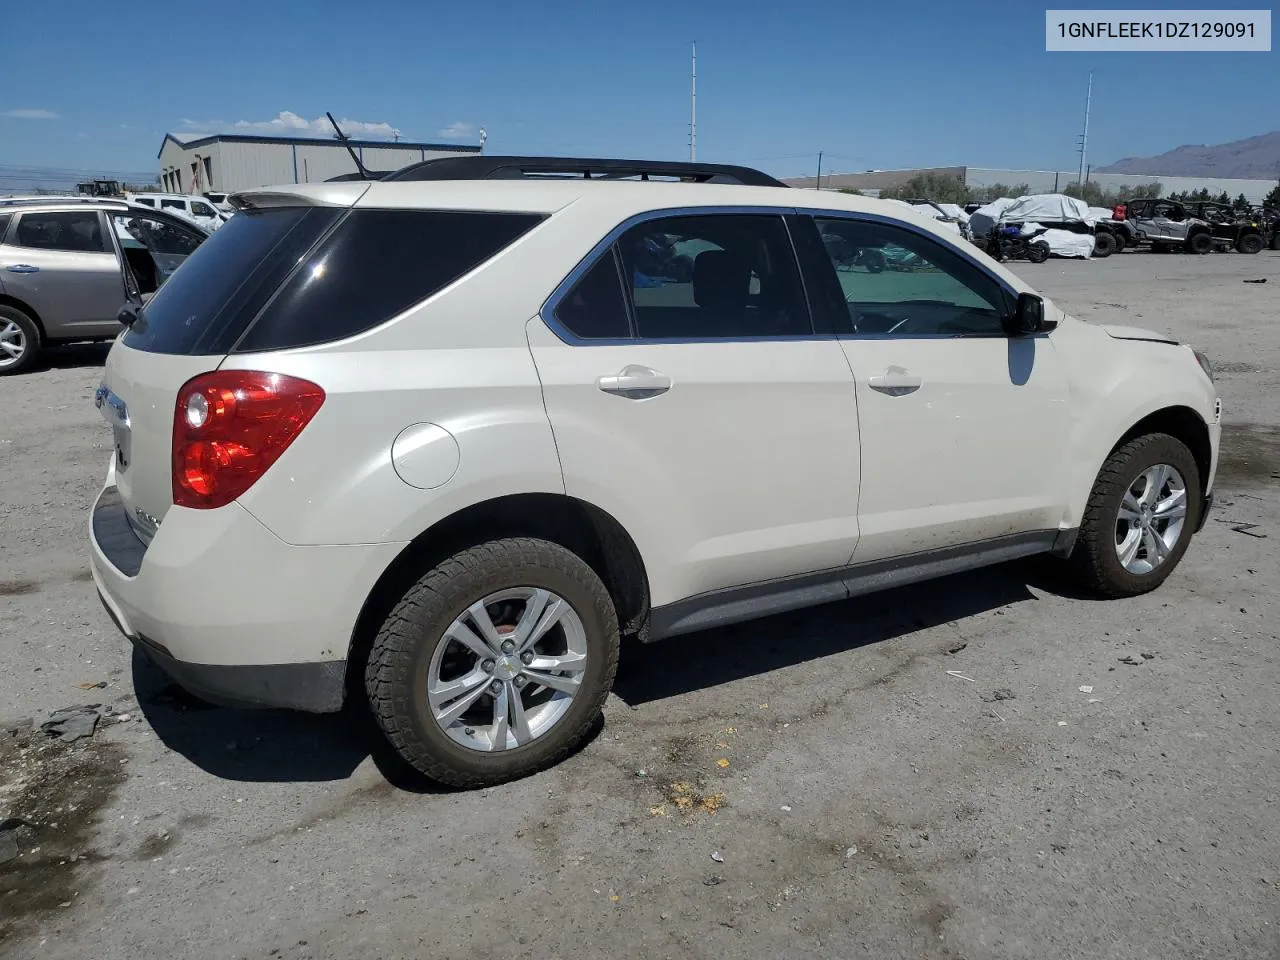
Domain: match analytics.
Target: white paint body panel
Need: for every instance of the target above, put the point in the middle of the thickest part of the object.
(745, 470)
(763, 460)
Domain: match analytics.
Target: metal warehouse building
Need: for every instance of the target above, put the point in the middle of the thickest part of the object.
(230, 162)
(1037, 181)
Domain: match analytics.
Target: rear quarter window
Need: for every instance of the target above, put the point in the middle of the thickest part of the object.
(210, 300)
(375, 265)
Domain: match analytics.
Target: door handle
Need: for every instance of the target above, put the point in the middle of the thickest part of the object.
(635, 383)
(895, 382)
(23, 268)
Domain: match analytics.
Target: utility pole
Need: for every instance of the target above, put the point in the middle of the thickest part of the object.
(1084, 137)
(819, 186)
(693, 106)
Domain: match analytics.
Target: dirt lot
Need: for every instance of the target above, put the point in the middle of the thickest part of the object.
(815, 785)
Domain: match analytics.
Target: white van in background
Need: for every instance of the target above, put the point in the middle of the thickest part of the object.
(197, 209)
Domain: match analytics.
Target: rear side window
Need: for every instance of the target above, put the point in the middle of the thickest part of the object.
(377, 264)
(207, 304)
(173, 205)
(4, 225)
(145, 201)
(78, 231)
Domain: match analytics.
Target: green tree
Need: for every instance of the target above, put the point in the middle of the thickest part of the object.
(1241, 202)
(1143, 191)
(852, 191)
(929, 186)
(1272, 199)
(1223, 197)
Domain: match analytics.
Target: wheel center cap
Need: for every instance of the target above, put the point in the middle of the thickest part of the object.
(506, 667)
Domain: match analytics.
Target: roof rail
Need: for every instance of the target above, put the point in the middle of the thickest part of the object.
(60, 201)
(587, 168)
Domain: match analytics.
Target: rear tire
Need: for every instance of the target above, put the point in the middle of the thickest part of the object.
(1100, 554)
(19, 341)
(1200, 243)
(1038, 251)
(1121, 243)
(1250, 243)
(1275, 240)
(1104, 245)
(470, 712)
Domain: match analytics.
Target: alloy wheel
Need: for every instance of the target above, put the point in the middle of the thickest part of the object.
(13, 343)
(1151, 518)
(507, 669)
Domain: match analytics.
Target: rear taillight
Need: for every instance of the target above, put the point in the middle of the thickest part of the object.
(230, 426)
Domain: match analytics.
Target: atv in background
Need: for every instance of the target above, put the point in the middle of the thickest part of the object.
(1166, 225)
(1008, 241)
(1268, 220)
(1238, 229)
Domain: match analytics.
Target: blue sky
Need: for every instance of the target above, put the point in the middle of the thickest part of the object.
(872, 85)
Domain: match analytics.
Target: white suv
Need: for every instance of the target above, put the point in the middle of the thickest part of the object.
(442, 443)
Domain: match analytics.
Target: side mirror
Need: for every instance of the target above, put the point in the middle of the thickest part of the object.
(1028, 317)
(128, 314)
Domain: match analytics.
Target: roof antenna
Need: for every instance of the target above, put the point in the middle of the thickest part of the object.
(364, 174)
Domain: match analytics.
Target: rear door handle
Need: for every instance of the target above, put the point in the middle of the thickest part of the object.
(895, 382)
(23, 268)
(635, 383)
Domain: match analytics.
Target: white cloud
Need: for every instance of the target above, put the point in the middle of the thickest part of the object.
(287, 123)
(458, 131)
(26, 113)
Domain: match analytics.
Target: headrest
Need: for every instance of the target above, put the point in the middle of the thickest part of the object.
(721, 280)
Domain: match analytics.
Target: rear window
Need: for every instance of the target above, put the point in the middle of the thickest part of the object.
(206, 305)
(377, 264)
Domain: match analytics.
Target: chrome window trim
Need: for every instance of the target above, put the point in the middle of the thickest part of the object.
(547, 312)
(1004, 287)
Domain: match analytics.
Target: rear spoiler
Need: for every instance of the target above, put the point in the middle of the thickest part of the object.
(310, 195)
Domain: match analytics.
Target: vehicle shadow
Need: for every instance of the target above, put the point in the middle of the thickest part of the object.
(275, 746)
(72, 356)
(725, 654)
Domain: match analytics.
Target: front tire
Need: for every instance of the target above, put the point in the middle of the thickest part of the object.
(1200, 243)
(1250, 243)
(19, 341)
(1038, 251)
(1104, 245)
(1140, 517)
(495, 664)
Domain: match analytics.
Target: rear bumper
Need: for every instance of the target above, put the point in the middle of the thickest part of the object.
(229, 610)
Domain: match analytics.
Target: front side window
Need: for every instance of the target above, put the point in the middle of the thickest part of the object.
(77, 231)
(201, 209)
(899, 282)
(717, 276)
(173, 205)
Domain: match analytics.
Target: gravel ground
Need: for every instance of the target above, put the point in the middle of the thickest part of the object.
(1099, 780)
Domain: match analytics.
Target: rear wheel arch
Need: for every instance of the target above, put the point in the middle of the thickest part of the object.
(16, 304)
(580, 527)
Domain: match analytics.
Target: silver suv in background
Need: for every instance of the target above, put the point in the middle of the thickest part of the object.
(68, 266)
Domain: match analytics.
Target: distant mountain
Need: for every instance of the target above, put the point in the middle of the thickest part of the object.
(1257, 158)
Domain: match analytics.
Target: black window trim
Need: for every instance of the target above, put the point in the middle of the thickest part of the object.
(606, 246)
(1009, 293)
